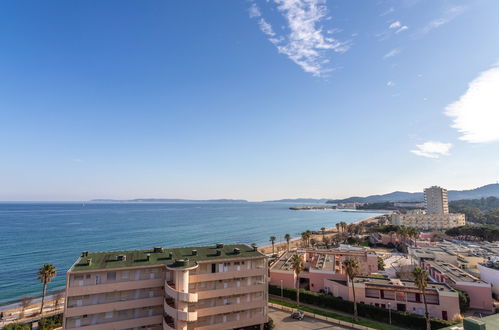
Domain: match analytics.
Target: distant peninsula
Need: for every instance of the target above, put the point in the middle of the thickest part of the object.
(167, 200)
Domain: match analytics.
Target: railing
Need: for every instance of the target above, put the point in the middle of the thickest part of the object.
(183, 296)
(177, 314)
(168, 324)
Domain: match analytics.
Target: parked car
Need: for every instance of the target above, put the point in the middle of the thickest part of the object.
(298, 314)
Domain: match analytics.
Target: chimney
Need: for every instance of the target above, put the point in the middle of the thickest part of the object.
(194, 252)
(219, 252)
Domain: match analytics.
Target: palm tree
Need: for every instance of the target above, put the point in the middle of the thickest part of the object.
(343, 226)
(45, 275)
(337, 227)
(304, 237)
(272, 239)
(287, 237)
(57, 297)
(352, 270)
(323, 230)
(297, 266)
(420, 279)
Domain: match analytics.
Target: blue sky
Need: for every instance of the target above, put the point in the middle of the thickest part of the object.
(246, 99)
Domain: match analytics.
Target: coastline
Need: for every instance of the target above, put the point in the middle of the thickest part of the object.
(294, 242)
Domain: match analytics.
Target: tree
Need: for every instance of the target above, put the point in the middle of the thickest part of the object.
(272, 240)
(352, 270)
(464, 300)
(297, 266)
(381, 263)
(323, 230)
(287, 237)
(338, 227)
(420, 279)
(45, 275)
(25, 302)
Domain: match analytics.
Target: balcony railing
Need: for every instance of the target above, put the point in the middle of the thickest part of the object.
(183, 296)
(177, 314)
(168, 323)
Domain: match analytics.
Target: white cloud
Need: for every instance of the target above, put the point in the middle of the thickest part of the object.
(303, 40)
(447, 16)
(391, 53)
(476, 113)
(395, 25)
(390, 84)
(254, 11)
(432, 149)
(402, 29)
(388, 11)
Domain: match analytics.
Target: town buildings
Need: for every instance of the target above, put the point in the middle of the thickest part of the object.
(320, 265)
(479, 292)
(204, 288)
(395, 294)
(436, 200)
(489, 272)
(424, 221)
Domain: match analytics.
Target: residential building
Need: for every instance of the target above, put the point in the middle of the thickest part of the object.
(395, 294)
(425, 221)
(436, 200)
(412, 205)
(321, 264)
(489, 272)
(203, 288)
(479, 292)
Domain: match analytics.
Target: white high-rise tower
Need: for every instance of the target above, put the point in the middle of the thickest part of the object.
(436, 200)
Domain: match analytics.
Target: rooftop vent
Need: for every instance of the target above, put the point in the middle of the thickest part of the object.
(121, 257)
(219, 253)
(220, 245)
(148, 256)
(194, 252)
(170, 254)
(254, 246)
(237, 251)
(158, 249)
(84, 254)
(181, 262)
(89, 261)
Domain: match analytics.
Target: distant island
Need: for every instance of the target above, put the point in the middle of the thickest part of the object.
(167, 200)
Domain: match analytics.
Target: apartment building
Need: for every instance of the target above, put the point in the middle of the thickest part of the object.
(204, 288)
(320, 264)
(479, 292)
(425, 221)
(395, 294)
(436, 200)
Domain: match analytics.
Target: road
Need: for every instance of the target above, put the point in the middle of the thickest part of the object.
(283, 321)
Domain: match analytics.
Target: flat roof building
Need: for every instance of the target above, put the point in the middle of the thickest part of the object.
(204, 288)
(400, 295)
(434, 221)
(436, 200)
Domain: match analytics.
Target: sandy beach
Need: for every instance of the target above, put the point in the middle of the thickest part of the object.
(297, 241)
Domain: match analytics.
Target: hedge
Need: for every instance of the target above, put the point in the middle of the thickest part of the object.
(402, 319)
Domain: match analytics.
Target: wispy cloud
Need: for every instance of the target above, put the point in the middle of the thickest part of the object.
(447, 16)
(398, 27)
(476, 113)
(302, 39)
(432, 149)
(390, 84)
(391, 53)
(387, 12)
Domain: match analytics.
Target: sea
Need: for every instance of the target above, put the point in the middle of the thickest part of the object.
(32, 234)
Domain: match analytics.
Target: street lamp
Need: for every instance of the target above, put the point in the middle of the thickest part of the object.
(281, 290)
(390, 313)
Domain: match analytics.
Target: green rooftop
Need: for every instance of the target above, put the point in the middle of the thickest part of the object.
(184, 257)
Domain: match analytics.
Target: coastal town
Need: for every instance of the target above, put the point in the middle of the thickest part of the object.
(398, 270)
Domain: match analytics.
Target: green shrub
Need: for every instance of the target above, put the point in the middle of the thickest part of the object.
(402, 319)
(50, 322)
(17, 326)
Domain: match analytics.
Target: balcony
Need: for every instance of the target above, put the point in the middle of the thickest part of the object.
(168, 323)
(114, 286)
(230, 308)
(226, 275)
(183, 296)
(113, 306)
(235, 324)
(121, 324)
(177, 314)
(206, 294)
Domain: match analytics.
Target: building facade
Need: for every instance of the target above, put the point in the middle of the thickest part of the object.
(436, 200)
(204, 288)
(395, 294)
(433, 221)
(320, 265)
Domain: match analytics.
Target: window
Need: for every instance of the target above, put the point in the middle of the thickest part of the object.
(88, 276)
(111, 276)
(109, 315)
(213, 268)
(125, 275)
(78, 277)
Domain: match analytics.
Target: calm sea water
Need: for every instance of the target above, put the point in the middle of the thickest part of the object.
(32, 234)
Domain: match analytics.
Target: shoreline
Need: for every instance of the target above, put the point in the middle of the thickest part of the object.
(279, 245)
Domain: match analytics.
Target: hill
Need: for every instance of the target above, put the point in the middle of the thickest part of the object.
(490, 190)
